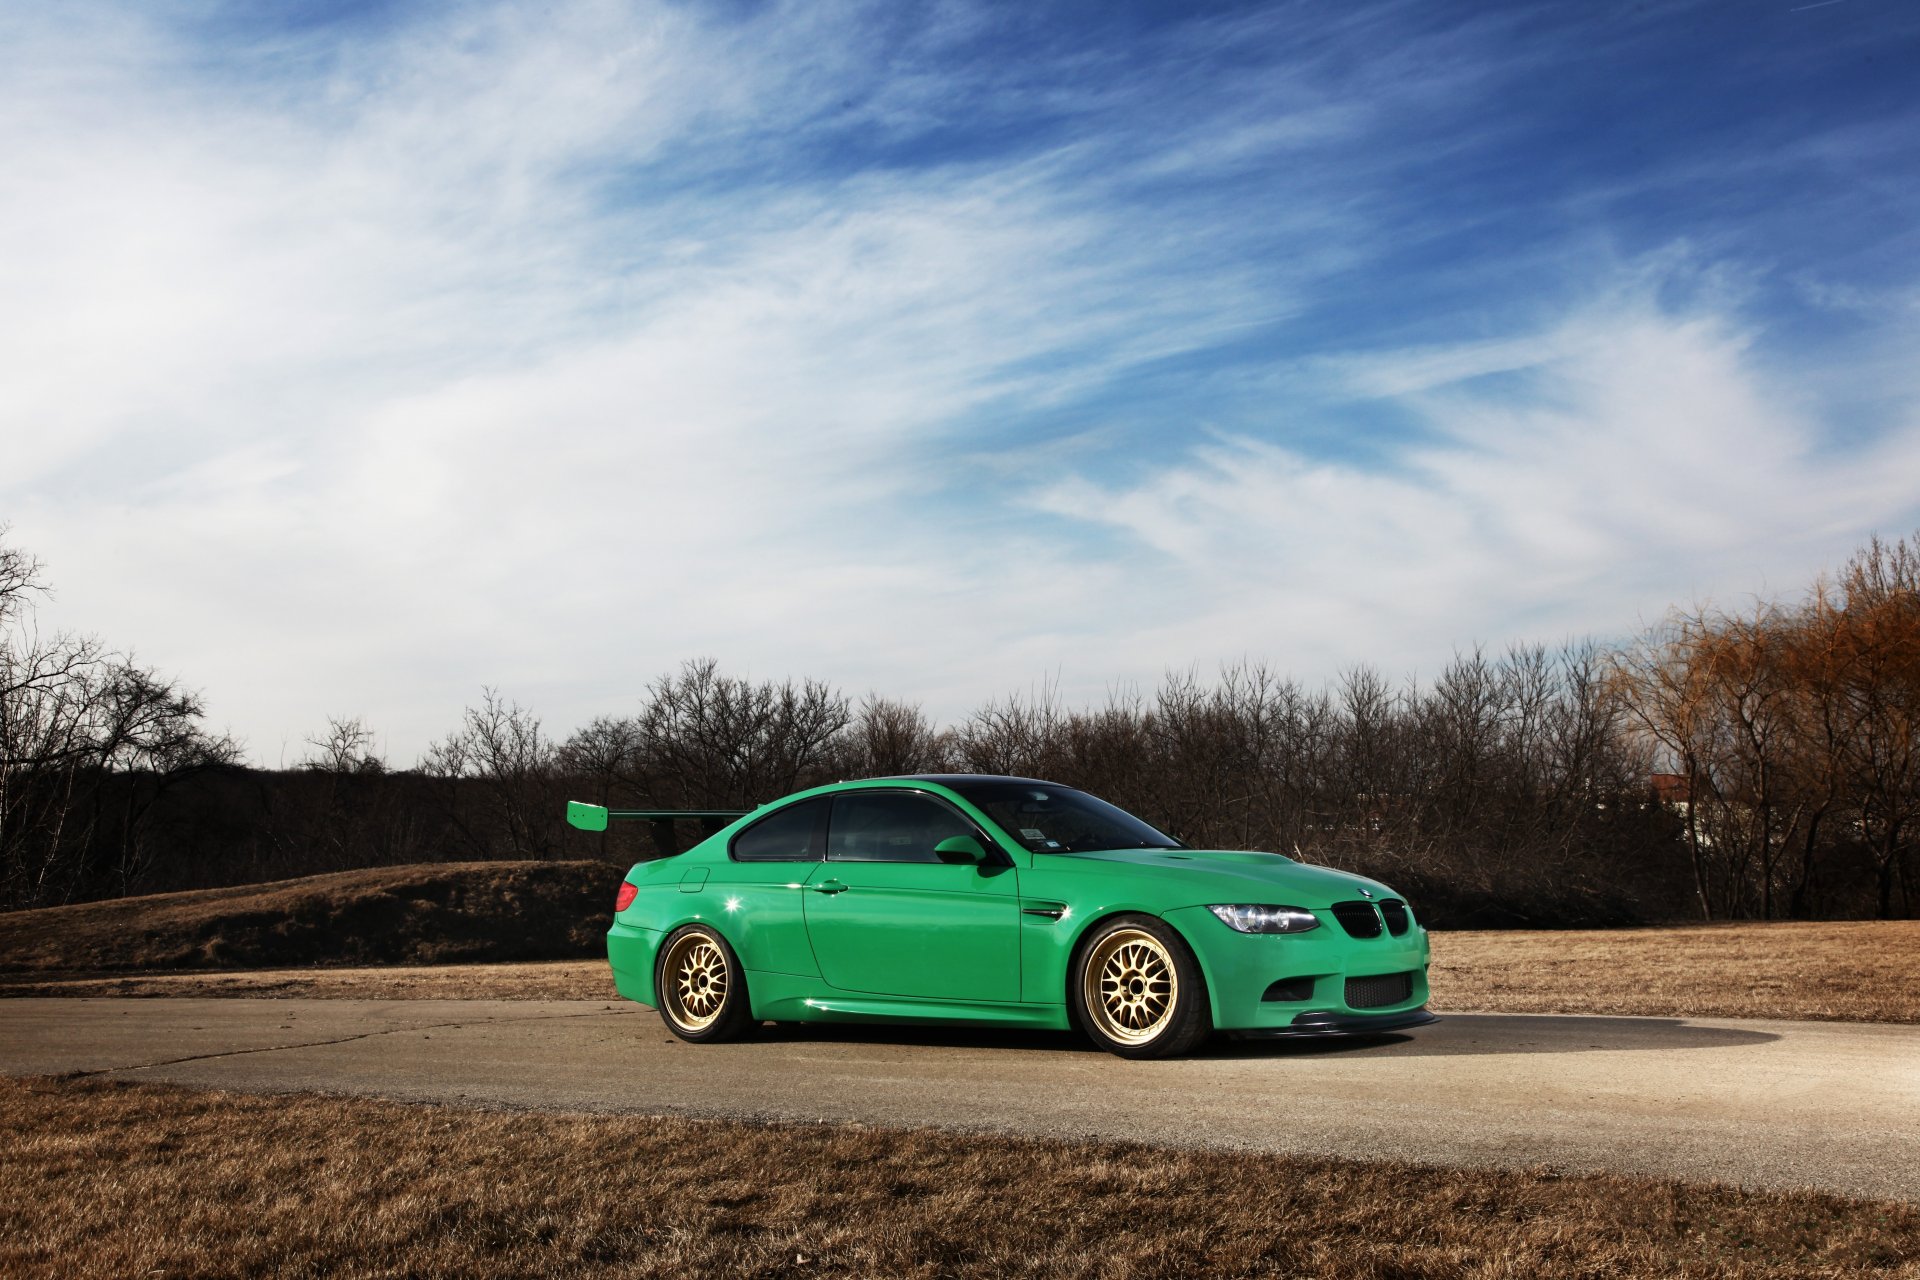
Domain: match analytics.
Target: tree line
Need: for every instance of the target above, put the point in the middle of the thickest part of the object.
(1753, 763)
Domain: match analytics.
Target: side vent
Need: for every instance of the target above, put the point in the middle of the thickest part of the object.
(1288, 990)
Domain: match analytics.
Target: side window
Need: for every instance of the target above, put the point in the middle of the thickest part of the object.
(890, 826)
(790, 835)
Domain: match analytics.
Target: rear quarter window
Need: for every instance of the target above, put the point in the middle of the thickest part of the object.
(793, 834)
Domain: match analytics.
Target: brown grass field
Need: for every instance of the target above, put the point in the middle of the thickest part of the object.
(1865, 971)
(1845, 971)
(105, 1179)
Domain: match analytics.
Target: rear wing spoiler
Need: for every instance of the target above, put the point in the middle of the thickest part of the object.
(593, 817)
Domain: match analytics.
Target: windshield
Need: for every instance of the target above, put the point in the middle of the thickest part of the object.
(1050, 819)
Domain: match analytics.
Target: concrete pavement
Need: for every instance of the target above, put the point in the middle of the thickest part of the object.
(1834, 1106)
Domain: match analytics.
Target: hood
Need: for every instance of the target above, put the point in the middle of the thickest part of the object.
(1232, 876)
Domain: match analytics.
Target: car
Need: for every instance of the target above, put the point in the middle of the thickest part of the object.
(1001, 901)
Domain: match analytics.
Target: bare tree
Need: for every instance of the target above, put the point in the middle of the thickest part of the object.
(1019, 734)
(709, 740)
(1796, 731)
(148, 740)
(500, 744)
(605, 753)
(89, 743)
(1881, 588)
(347, 747)
(21, 579)
(892, 739)
(1666, 693)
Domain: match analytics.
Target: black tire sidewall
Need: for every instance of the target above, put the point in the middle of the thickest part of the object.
(736, 1013)
(1192, 1018)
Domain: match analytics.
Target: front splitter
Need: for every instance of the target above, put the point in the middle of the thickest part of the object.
(1316, 1025)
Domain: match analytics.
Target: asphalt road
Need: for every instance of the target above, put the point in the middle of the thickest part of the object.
(1835, 1106)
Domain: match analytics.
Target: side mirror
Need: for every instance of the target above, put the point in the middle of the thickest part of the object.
(961, 849)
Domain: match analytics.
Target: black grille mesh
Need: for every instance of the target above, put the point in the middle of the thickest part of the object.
(1359, 919)
(1377, 993)
(1394, 912)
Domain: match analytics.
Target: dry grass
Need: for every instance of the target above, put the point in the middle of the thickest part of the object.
(111, 1179)
(1854, 971)
(429, 913)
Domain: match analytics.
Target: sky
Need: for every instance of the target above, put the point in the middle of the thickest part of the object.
(356, 356)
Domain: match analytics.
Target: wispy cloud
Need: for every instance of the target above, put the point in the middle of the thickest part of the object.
(1567, 483)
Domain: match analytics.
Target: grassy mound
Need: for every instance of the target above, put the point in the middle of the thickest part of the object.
(429, 913)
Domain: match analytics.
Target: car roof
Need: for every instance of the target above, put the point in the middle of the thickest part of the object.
(962, 779)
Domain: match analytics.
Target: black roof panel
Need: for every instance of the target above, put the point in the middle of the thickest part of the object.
(961, 779)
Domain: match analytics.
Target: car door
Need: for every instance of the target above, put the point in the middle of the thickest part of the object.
(888, 916)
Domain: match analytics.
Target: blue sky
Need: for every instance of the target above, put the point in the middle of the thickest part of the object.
(356, 356)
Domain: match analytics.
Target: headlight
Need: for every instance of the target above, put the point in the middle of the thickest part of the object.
(1248, 918)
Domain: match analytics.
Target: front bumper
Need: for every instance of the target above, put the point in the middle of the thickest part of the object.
(1242, 968)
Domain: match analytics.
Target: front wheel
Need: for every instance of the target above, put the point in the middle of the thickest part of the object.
(1137, 990)
(700, 986)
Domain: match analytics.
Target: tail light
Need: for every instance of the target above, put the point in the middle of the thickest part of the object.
(624, 898)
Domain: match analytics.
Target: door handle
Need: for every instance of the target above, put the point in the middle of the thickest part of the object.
(829, 886)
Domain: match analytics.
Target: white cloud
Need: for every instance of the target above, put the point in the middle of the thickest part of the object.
(1627, 460)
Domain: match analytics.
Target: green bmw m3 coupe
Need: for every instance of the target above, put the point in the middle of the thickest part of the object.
(964, 898)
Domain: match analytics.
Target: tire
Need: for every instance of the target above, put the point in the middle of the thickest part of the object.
(700, 987)
(1137, 991)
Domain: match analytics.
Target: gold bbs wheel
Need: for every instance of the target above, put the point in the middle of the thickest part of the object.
(1137, 989)
(1131, 986)
(695, 979)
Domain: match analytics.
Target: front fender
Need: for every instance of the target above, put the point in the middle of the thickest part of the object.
(1047, 946)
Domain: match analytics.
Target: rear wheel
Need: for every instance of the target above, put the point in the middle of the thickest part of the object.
(1137, 990)
(700, 986)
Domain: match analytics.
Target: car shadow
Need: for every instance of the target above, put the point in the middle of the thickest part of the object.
(1458, 1034)
(1462, 1034)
